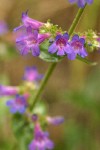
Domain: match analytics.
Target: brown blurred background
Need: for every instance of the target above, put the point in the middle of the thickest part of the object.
(73, 76)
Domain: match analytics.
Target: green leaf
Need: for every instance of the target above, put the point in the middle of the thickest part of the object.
(46, 56)
(86, 61)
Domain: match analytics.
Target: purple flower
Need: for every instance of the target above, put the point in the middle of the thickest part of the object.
(81, 3)
(34, 117)
(98, 40)
(28, 22)
(8, 90)
(55, 120)
(76, 46)
(3, 28)
(18, 104)
(41, 140)
(31, 74)
(29, 41)
(59, 45)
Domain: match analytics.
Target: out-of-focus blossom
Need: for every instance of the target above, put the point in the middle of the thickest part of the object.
(19, 104)
(76, 47)
(98, 40)
(34, 117)
(55, 120)
(29, 42)
(8, 90)
(41, 140)
(31, 74)
(60, 45)
(81, 3)
(3, 28)
(29, 22)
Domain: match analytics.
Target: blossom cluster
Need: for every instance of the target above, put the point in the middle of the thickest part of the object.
(21, 93)
(20, 103)
(81, 3)
(31, 36)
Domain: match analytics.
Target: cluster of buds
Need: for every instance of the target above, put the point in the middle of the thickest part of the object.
(20, 104)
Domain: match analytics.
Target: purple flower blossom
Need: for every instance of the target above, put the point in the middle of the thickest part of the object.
(98, 40)
(55, 120)
(29, 22)
(34, 117)
(18, 104)
(31, 74)
(76, 46)
(3, 28)
(41, 140)
(8, 90)
(60, 45)
(29, 41)
(81, 3)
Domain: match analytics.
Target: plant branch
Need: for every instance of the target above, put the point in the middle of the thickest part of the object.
(53, 65)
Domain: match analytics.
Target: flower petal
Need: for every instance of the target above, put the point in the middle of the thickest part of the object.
(81, 3)
(52, 48)
(66, 36)
(35, 50)
(89, 1)
(71, 56)
(60, 52)
(75, 37)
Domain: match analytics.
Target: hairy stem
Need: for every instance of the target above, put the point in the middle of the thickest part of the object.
(53, 65)
(76, 20)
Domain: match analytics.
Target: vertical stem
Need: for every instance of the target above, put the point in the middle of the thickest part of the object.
(43, 83)
(53, 65)
(76, 20)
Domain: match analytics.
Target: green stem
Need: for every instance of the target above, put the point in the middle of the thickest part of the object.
(43, 83)
(53, 65)
(76, 20)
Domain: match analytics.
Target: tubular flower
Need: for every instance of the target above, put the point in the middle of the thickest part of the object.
(8, 90)
(76, 47)
(18, 104)
(29, 22)
(81, 3)
(59, 45)
(3, 28)
(30, 41)
(31, 74)
(55, 120)
(41, 140)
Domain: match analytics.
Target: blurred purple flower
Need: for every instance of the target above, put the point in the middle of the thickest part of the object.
(3, 28)
(18, 104)
(55, 120)
(60, 45)
(76, 46)
(29, 41)
(8, 90)
(41, 140)
(29, 22)
(31, 74)
(98, 40)
(34, 117)
(81, 3)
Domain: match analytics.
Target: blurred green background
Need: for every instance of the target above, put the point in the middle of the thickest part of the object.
(73, 90)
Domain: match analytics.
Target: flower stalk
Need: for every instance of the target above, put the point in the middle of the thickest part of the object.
(43, 83)
(76, 20)
(53, 65)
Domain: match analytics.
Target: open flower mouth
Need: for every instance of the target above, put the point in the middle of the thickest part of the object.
(31, 42)
(61, 42)
(76, 45)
